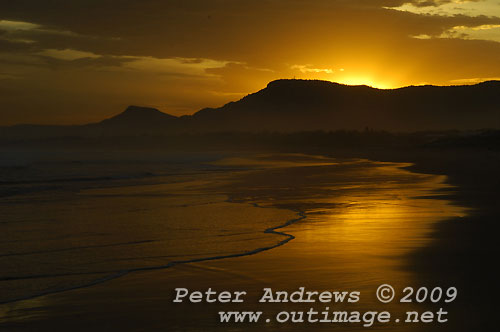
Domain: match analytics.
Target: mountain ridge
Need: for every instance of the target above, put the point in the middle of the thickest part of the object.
(288, 105)
(335, 106)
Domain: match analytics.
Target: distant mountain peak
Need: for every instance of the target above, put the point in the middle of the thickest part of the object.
(140, 114)
(133, 109)
(136, 120)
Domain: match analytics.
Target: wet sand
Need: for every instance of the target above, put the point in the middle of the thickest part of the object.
(363, 222)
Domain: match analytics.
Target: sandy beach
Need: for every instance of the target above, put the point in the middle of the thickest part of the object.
(363, 221)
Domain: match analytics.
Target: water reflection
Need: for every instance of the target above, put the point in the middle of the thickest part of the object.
(363, 219)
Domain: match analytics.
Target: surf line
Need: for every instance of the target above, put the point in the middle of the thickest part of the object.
(270, 230)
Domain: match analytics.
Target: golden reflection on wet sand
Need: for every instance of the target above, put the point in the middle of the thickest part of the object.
(362, 220)
(358, 238)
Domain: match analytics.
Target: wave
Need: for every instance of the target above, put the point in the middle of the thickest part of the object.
(116, 274)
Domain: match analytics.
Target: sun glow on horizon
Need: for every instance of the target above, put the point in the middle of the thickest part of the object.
(365, 80)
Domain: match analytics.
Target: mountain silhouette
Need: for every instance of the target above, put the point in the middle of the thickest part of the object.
(138, 115)
(298, 105)
(135, 120)
(306, 105)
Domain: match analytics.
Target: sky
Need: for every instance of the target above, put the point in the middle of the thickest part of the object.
(81, 61)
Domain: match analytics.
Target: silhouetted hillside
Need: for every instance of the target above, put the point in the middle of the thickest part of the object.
(297, 105)
(305, 105)
(138, 115)
(134, 121)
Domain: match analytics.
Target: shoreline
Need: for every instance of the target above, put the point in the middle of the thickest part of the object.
(271, 230)
(462, 249)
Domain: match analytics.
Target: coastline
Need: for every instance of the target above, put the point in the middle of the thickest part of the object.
(145, 283)
(464, 249)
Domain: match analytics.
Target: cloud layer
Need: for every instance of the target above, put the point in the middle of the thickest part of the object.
(79, 61)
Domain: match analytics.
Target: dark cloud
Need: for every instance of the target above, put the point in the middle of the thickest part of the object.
(83, 63)
(10, 46)
(433, 3)
(216, 29)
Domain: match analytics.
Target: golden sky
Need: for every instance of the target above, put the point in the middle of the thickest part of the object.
(79, 61)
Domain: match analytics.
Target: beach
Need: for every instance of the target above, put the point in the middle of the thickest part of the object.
(229, 222)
